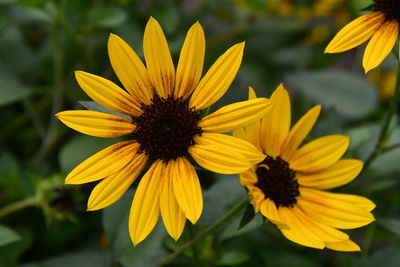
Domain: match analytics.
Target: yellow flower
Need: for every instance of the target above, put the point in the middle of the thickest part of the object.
(287, 186)
(385, 81)
(381, 26)
(164, 130)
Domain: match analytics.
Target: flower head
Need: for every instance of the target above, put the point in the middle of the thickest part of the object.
(164, 129)
(287, 187)
(381, 27)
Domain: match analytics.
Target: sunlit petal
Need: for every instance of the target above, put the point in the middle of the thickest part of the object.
(158, 59)
(218, 78)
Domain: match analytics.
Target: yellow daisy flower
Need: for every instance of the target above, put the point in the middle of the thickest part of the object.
(164, 130)
(381, 26)
(287, 187)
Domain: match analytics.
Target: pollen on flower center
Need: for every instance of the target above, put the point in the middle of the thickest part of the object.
(167, 128)
(391, 8)
(277, 181)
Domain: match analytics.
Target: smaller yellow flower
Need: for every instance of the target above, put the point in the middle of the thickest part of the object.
(287, 187)
(381, 27)
(385, 81)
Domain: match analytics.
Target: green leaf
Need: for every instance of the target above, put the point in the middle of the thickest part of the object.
(80, 148)
(7, 236)
(17, 58)
(278, 258)
(148, 252)
(388, 257)
(36, 3)
(168, 16)
(91, 105)
(248, 216)
(379, 184)
(391, 224)
(115, 222)
(351, 95)
(11, 178)
(233, 231)
(106, 17)
(232, 258)
(11, 88)
(85, 258)
(220, 201)
(371, 7)
(10, 253)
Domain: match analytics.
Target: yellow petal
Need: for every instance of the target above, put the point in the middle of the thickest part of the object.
(333, 212)
(270, 211)
(296, 230)
(361, 202)
(276, 123)
(346, 245)
(107, 94)
(253, 131)
(380, 45)
(356, 32)
(248, 177)
(187, 189)
(252, 93)
(103, 163)
(240, 133)
(319, 153)
(299, 132)
(130, 69)
(218, 159)
(256, 197)
(172, 215)
(113, 187)
(191, 60)
(145, 208)
(253, 135)
(218, 78)
(158, 59)
(232, 143)
(96, 123)
(342, 172)
(324, 232)
(233, 116)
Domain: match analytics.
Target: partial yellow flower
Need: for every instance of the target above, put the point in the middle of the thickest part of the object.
(380, 27)
(287, 187)
(164, 129)
(385, 81)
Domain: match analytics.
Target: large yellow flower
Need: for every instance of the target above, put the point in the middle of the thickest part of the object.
(381, 26)
(164, 130)
(287, 186)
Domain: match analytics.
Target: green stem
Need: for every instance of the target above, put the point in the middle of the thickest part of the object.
(383, 135)
(391, 147)
(207, 232)
(53, 130)
(34, 116)
(368, 240)
(22, 204)
(195, 251)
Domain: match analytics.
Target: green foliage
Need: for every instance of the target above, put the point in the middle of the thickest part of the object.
(42, 42)
(11, 89)
(7, 236)
(351, 95)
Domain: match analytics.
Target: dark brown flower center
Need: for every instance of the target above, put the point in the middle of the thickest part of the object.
(391, 8)
(277, 181)
(167, 128)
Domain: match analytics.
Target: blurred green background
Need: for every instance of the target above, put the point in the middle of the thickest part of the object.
(43, 41)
